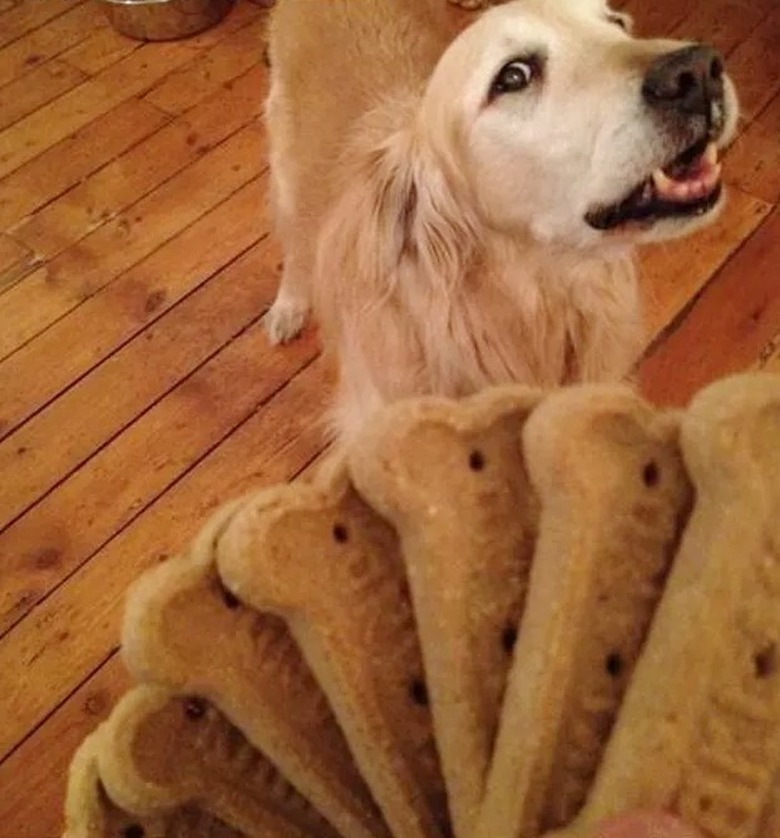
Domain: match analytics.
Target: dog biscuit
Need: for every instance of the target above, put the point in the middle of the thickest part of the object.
(770, 819)
(184, 630)
(322, 559)
(161, 751)
(614, 496)
(450, 477)
(699, 730)
(90, 813)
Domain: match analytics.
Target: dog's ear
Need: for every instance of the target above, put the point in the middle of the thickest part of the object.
(399, 220)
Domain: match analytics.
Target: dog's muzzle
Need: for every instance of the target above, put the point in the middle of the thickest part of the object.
(686, 88)
(688, 83)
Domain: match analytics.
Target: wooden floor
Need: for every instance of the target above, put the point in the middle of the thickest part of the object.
(136, 387)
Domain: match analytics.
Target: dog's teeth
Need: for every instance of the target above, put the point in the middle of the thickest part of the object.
(663, 183)
(711, 154)
(682, 191)
(713, 176)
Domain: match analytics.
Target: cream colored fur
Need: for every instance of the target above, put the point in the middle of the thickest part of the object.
(440, 237)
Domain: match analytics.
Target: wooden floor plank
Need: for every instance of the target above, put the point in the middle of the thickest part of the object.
(100, 50)
(122, 309)
(232, 57)
(83, 269)
(241, 14)
(728, 326)
(49, 446)
(33, 779)
(652, 20)
(22, 18)
(674, 272)
(76, 157)
(753, 162)
(724, 24)
(15, 261)
(48, 655)
(129, 77)
(40, 86)
(110, 491)
(49, 41)
(102, 196)
(755, 66)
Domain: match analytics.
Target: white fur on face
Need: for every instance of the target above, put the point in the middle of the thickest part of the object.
(579, 136)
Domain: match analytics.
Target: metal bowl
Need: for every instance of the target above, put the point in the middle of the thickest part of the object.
(164, 20)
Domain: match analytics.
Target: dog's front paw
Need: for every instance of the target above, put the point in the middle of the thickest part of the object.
(285, 319)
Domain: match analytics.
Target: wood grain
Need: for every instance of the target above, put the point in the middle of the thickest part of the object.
(98, 199)
(15, 261)
(674, 272)
(99, 94)
(183, 88)
(100, 50)
(170, 438)
(67, 161)
(727, 327)
(48, 446)
(38, 87)
(83, 269)
(755, 66)
(22, 18)
(31, 807)
(754, 160)
(55, 37)
(122, 309)
(133, 75)
(724, 24)
(655, 19)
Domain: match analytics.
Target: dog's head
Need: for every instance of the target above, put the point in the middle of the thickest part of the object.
(560, 123)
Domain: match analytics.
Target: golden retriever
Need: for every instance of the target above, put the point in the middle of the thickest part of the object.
(461, 208)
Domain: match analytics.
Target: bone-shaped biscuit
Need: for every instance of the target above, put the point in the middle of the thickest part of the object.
(90, 813)
(160, 751)
(614, 496)
(699, 730)
(322, 559)
(183, 630)
(450, 477)
(770, 818)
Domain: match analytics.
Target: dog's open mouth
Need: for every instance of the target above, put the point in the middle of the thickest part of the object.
(689, 185)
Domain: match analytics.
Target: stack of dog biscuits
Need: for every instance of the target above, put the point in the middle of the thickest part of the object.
(506, 616)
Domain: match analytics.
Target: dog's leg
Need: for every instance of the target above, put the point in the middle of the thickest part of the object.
(287, 316)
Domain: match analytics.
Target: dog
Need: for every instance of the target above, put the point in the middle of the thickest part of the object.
(460, 205)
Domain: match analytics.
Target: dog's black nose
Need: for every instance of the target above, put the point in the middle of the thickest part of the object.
(689, 80)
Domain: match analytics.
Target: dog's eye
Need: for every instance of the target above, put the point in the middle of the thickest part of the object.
(514, 76)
